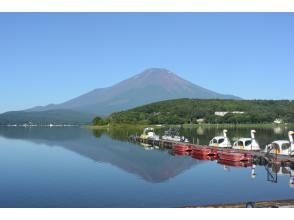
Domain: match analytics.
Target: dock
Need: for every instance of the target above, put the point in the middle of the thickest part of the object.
(259, 157)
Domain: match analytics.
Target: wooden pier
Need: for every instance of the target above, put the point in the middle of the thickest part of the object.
(260, 158)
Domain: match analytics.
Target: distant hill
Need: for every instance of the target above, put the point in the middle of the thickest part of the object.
(192, 110)
(150, 86)
(46, 117)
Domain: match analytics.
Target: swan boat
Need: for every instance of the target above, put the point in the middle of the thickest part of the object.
(247, 143)
(221, 141)
(282, 147)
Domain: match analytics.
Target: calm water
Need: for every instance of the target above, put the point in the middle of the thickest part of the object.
(74, 167)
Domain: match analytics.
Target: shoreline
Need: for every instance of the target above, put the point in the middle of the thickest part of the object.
(189, 126)
(260, 204)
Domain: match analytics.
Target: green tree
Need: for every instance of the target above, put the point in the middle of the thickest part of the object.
(99, 121)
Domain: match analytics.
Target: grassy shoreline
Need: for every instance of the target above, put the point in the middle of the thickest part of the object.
(116, 126)
(187, 126)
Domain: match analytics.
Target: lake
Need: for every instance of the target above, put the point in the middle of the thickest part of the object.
(77, 167)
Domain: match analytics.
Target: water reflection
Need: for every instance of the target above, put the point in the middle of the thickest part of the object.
(153, 166)
(203, 135)
(278, 130)
(155, 177)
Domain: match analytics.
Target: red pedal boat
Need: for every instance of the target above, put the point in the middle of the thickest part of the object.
(182, 148)
(234, 156)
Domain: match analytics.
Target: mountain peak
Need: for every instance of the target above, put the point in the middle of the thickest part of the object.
(156, 76)
(156, 72)
(151, 85)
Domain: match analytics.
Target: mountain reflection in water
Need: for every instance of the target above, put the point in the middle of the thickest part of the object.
(153, 166)
(76, 167)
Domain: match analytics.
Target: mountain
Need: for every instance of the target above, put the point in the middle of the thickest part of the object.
(150, 86)
(59, 116)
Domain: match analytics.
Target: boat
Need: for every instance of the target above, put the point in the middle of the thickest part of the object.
(172, 134)
(149, 134)
(247, 143)
(204, 150)
(282, 147)
(221, 141)
(234, 156)
(182, 148)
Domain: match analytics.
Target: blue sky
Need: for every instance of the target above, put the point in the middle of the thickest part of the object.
(52, 57)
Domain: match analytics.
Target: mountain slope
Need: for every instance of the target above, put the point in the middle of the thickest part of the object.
(152, 85)
(46, 117)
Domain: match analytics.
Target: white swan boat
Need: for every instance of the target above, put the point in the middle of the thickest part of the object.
(282, 147)
(221, 141)
(247, 143)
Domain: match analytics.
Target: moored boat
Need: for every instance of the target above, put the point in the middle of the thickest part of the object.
(172, 134)
(282, 147)
(221, 141)
(182, 148)
(234, 156)
(247, 143)
(204, 150)
(149, 134)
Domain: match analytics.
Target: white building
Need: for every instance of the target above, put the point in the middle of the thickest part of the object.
(278, 121)
(222, 114)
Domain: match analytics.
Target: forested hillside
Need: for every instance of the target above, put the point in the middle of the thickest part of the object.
(182, 111)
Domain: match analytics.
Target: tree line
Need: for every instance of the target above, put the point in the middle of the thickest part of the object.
(182, 111)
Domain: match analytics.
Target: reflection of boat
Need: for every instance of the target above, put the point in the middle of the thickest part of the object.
(247, 143)
(221, 141)
(253, 171)
(203, 156)
(207, 151)
(182, 153)
(147, 146)
(282, 147)
(173, 135)
(149, 134)
(234, 156)
(284, 171)
(235, 163)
